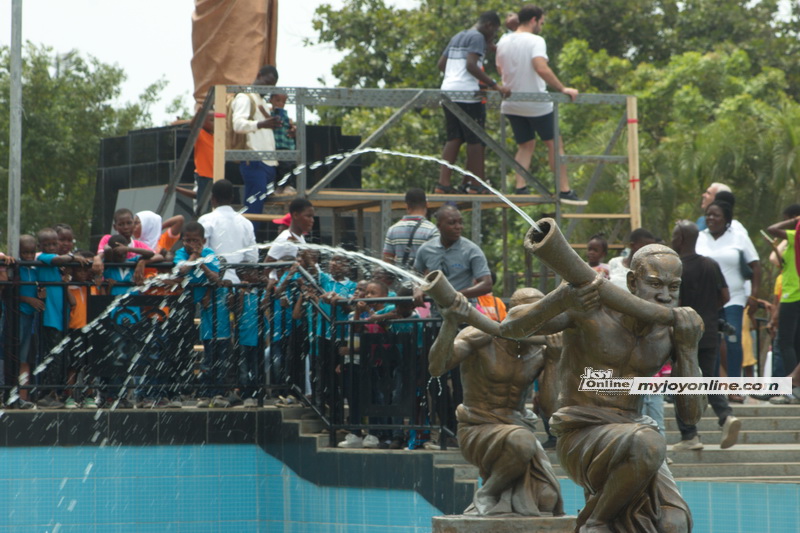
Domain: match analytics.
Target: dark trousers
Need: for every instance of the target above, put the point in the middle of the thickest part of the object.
(216, 366)
(352, 391)
(708, 358)
(249, 370)
(322, 380)
(55, 371)
(789, 334)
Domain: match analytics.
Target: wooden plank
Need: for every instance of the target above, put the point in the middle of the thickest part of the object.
(634, 180)
(595, 215)
(220, 125)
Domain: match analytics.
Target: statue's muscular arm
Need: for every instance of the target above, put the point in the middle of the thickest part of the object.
(553, 313)
(686, 334)
(451, 348)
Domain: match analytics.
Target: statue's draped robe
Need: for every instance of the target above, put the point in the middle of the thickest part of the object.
(481, 437)
(592, 441)
(231, 40)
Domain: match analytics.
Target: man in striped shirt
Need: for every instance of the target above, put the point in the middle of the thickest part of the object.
(406, 236)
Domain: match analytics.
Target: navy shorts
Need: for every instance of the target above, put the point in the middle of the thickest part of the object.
(456, 130)
(526, 128)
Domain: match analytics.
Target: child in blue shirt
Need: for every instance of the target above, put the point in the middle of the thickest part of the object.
(200, 265)
(119, 280)
(251, 331)
(31, 304)
(54, 318)
(284, 297)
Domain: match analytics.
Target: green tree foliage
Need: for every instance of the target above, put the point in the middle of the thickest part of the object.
(69, 104)
(717, 83)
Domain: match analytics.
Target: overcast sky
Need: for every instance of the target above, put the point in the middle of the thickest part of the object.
(152, 38)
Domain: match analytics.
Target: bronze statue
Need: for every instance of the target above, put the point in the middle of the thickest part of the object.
(495, 430)
(604, 445)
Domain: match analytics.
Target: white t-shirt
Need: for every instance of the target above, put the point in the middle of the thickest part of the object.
(726, 251)
(456, 75)
(618, 272)
(515, 53)
(231, 236)
(257, 139)
(277, 250)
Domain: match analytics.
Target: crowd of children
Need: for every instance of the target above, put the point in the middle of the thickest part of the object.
(275, 326)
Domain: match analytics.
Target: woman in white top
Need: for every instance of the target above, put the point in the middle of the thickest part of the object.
(731, 249)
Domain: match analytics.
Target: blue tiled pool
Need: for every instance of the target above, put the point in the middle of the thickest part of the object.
(221, 488)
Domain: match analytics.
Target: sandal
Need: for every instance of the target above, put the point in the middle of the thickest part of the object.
(444, 189)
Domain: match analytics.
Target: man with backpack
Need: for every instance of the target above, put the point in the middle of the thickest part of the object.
(405, 237)
(252, 125)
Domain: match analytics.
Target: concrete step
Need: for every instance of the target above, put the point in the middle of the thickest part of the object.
(733, 470)
(708, 424)
(461, 471)
(745, 437)
(449, 457)
(747, 410)
(741, 453)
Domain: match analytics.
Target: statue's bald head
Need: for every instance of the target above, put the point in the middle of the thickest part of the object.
(656, 274)
(525, 295)
(651, 252)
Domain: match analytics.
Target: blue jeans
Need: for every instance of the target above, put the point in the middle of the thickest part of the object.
(733, 316)
(653, 406)
(257, 177)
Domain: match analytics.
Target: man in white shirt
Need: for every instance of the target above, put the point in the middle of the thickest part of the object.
(250, 116)
(228, 233)
(522, 62)
(462, 64)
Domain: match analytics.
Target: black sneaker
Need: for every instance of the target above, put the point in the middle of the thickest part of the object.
(522, 190)
(49, 402)
(570, 197)
(550, 443)
(24, 404)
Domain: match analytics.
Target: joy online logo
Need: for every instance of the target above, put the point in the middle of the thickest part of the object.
(604, 382)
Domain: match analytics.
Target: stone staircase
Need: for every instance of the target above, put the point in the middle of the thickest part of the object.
(768, 450)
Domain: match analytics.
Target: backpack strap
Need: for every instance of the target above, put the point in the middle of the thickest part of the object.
(407, 249)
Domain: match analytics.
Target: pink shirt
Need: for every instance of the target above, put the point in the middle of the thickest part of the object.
(134, 244)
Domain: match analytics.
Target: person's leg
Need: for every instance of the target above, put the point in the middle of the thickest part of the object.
(449, 154)
(476, 150)
(708, 358)
(271, 174)
(789, 328)
(563, 179)
(475, 161)
(25, 337)
(201, 183)
(653, 406)
(525, 137)
(450, 151)
(523, 157)
(733, 316)
(254, 176)
(54, 373)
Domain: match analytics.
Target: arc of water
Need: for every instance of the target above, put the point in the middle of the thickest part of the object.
(336, 157)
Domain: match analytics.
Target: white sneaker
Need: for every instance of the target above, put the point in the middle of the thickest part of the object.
(730, 432)
(351, 441)
(371, 441)
(691, 444)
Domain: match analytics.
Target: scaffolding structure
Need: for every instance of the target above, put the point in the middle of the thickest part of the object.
(404, 100)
